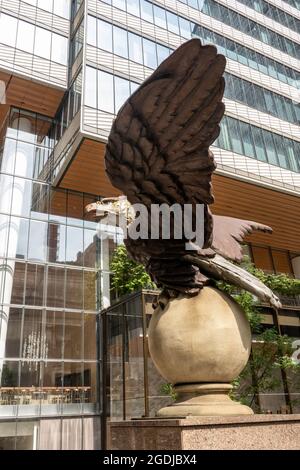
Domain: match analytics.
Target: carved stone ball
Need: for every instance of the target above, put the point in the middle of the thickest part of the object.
(205, 338)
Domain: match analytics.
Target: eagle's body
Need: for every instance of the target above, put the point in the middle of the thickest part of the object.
(158, 153)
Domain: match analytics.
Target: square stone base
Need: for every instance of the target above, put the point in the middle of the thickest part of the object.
(208, 433)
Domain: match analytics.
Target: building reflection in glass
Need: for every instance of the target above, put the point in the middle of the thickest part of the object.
(50, 275)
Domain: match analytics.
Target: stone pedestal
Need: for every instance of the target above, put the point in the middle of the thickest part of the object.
(256, 432)
(200, 344)
(204, 400)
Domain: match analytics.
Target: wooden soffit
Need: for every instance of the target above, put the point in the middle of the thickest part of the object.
(279, 210)
(86, 172)
(234, 198)
(30, 95)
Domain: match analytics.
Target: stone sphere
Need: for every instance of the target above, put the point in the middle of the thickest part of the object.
(205, 338)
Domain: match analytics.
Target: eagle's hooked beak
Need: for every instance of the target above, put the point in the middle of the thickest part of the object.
(96, 210)
(92, 209)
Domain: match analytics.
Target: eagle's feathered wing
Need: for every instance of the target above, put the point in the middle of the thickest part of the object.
(158, 148)
(158, 152)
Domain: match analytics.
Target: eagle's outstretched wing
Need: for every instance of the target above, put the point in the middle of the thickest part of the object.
(158, 149)
(158, 152)
(229, 233)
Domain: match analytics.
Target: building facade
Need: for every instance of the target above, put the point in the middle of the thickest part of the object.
(66, 67)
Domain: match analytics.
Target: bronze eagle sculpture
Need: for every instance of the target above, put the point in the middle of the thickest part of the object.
(158, 153)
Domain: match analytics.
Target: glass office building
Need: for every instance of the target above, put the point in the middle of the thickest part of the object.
(66, 67)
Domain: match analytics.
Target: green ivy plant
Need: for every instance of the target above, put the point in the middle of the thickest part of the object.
(281, 284)
(128, 276)
(168, 389)
(272, 351)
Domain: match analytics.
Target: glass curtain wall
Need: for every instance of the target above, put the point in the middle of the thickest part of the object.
(50, 283)
(57, 7)
(255, 142)
(30, 38)
(168, 20)
(132, 386)
(114, 39)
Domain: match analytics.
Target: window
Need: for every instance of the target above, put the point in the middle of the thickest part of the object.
(281, 152)
(185, 28)
(133, 7)
(241, 56)
(159, 17)
(274, 13)
(224, 138)
(4, 221)
(33, 39)
(56, 243)
(270, 148)
(104, 36)
(74, 289)
(105, 92)
(45, 4)
(74, 246)
(57, 7)
(92, 31)
(21, 197)
(42, 46)
(194, 3)
(56, 287)
(122, 92)
(251, 28)
(135, 48)
(259, 144)
(59, 49)
(260, 98)
(246, 137)
(234, 132)
(172, 22)
(91, 87)
(150, 58)
(269, 100)
(25, 152)
(25, 37)
(162, 53)
(280, 108)
(120, 4)
(133, 87)
(254, 142)
(23, 228)
(146, 11)
(108, 93)
(62, 8)
(14, 331)
(293, 151)
(37, 241)
(125, 44)
(244, 55)
(8, 30)
(35, 284)
(120, 42)
(289, 109)
(231, 49)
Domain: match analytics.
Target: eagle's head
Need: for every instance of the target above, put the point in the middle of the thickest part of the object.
(111, 210)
